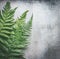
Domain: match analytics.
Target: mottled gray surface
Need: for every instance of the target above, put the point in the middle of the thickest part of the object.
(45, 37)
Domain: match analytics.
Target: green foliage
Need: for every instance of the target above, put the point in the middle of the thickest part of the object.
(13, 34)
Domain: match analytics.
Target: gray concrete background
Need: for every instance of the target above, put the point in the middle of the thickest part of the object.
(45, 37)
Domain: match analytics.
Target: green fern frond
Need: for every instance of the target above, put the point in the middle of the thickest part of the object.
(23, 16)
(7, 6)
(13, 35)
(6, 28)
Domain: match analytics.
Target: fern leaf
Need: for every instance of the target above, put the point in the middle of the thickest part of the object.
(13, 35)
